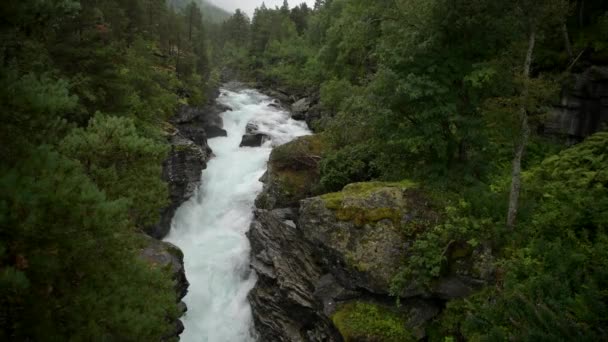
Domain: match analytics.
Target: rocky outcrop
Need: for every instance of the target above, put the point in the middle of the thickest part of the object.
(182, 171)
(360, 234)
(327, 266)
(207, 118)
(283, 301)
(189, 154)
(583, 109)
(293, 173)
(166, 256)
(300, 108)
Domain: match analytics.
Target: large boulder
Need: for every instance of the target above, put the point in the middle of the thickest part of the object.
(293, 173)
(182, 171)
(208, 118)
(211, 120)
(253, 140)
(300, 108)
(359, 232)
(283, 300)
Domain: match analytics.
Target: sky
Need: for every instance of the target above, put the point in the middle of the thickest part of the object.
(249, 5)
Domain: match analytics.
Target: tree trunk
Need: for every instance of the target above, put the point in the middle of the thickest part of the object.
(523, 140)
(567, 41)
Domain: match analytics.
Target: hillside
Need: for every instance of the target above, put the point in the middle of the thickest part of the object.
(211, 12)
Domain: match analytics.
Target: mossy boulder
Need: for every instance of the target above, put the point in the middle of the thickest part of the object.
(293, 173)
(359, 231)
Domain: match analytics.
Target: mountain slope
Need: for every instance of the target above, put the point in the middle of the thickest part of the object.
(211, 12)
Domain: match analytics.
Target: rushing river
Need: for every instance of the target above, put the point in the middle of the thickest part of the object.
(211, 227)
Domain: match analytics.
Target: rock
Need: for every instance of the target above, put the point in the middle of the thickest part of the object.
(279, 95)
(182, 170)
(207, 118)
(359, 237)
(293, 173)
(212, 121)
(583, 108)
(358, 232)
(185, 114)
(251, 128)
(275, 105)
(283, 301)
(169, 257)
(194, 132)
(253, 140)
(300, 108)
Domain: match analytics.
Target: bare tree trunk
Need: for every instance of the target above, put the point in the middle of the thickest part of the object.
(567, 41)
(523, 141)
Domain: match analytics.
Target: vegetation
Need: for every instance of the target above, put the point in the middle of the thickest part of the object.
(449, 94)
(452, 95)
(86, 87)
(361, 321)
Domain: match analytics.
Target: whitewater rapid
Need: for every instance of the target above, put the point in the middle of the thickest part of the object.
(210, 228)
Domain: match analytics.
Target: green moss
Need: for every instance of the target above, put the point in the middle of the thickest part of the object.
(361, 190)
(296, 182)
(368, 322)
(360, 215)
(304, 152)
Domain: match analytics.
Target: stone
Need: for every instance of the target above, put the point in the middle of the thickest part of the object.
(583, 108)
(253, 140)
(293, 173)
(182, 171)
(300, 108)
(282, 300)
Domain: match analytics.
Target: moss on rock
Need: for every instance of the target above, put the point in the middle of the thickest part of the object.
(368, 322)
(293, 173)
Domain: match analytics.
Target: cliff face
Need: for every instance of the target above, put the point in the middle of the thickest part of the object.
(188, 157)
(583, 109)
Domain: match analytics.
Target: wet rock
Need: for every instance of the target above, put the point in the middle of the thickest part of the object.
(300, 108)
(182, 171)
(253, 140)
(283, 301)
(293, 173)
(281, 96)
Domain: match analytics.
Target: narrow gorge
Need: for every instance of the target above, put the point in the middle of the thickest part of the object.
(210, 228)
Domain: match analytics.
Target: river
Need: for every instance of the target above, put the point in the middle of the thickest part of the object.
(210, 228)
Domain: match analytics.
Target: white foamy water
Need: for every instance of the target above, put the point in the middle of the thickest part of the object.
(210, 228)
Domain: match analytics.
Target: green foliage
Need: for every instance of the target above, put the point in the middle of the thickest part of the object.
(77, 185)
(348, 165)
(69, 260)
(122, 163)
(361, 321)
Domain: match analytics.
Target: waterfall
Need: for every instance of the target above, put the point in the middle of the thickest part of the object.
(210, 228)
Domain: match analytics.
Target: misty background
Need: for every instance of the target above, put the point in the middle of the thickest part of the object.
(249, 5)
